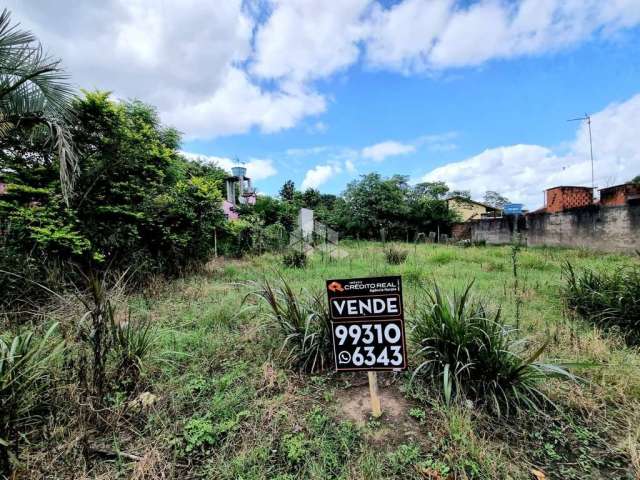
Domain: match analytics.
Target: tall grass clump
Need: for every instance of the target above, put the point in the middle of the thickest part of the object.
(295, 259)
(470, 353)
(109, 349)
(303, 321)
(133, 343)
(611, 300)
(395, 256)
(26, 365)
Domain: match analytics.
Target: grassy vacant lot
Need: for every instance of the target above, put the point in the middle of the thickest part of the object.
(226, 408)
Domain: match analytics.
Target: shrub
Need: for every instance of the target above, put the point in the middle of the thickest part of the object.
(142, 203)
(109, 352)
(395, 256)
(25, 366)
(275, 236)
(468, 352)
(609, 299)
(295, 259)
(303, 320)
(133, 341)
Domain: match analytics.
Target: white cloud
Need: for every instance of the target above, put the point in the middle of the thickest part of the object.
(319, 175)
(317, 127)
(439, 142)
(228, 67)
(404, 34)
(390, 148)
(304, 152)
(305, 39)
(238, 105)
(182, 56)
(419, 35)
(522, 172)
(257, 168)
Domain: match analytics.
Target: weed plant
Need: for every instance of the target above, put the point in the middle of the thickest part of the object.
(133, 342)
(611, 300)
(468, 352)
(295, 259)
(395, 256)
(303, 321)
(26, 364)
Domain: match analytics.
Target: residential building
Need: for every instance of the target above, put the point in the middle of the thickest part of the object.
(617, 195)
(468, 209)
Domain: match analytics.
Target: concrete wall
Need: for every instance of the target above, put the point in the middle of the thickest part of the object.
(227, 208)
(609, 229)
(497, 231)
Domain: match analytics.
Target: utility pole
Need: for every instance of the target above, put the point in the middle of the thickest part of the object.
(588, 120)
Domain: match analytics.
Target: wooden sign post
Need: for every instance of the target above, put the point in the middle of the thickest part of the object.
(376, 408)
(367, 322)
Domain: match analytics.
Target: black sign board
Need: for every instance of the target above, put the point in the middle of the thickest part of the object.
(367, 320)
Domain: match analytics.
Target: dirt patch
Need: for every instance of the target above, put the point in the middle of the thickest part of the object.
(393, 428)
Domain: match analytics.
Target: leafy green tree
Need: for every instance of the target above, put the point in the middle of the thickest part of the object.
(137, 195)
(461, 193)
(325, 208)
(372, 203)
(636, 180)
(138, 202)
(494, 199)
(288, 191)
(428, 208)
(311, 198)
(35, 97)
(273, 211)
(431, 190)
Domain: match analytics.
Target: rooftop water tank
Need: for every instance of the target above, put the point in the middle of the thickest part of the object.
(238, 171)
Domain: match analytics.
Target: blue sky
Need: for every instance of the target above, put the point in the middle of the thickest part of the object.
(474, 93)
(502, 103)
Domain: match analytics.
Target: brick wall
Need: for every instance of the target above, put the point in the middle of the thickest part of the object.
(618, 195)
(563, 198)
(461, 231)
(604, 228)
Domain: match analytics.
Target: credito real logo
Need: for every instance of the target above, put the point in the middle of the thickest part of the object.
(335, 287)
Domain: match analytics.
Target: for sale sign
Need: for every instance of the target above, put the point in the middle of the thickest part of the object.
(367, 320)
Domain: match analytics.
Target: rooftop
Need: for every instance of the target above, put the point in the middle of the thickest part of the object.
(571, 186)
(618, 186)
(468, 200)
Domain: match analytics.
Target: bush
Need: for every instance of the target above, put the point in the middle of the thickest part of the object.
(468, 352)
(395, 256)
(139, 202)
(303, 321)
(295, 259)
(133, 342)
(608, 299)
(25, 366)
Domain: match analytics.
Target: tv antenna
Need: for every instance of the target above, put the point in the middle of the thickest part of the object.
(587, 118)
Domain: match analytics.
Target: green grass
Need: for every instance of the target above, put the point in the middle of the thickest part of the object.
(230, 407)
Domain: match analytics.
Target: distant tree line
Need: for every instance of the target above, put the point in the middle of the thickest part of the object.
(369, 205)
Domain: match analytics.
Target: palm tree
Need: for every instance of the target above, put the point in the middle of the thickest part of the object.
(35, 95)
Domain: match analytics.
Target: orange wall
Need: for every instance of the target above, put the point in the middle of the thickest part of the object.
(562, 198)
(618, 196)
